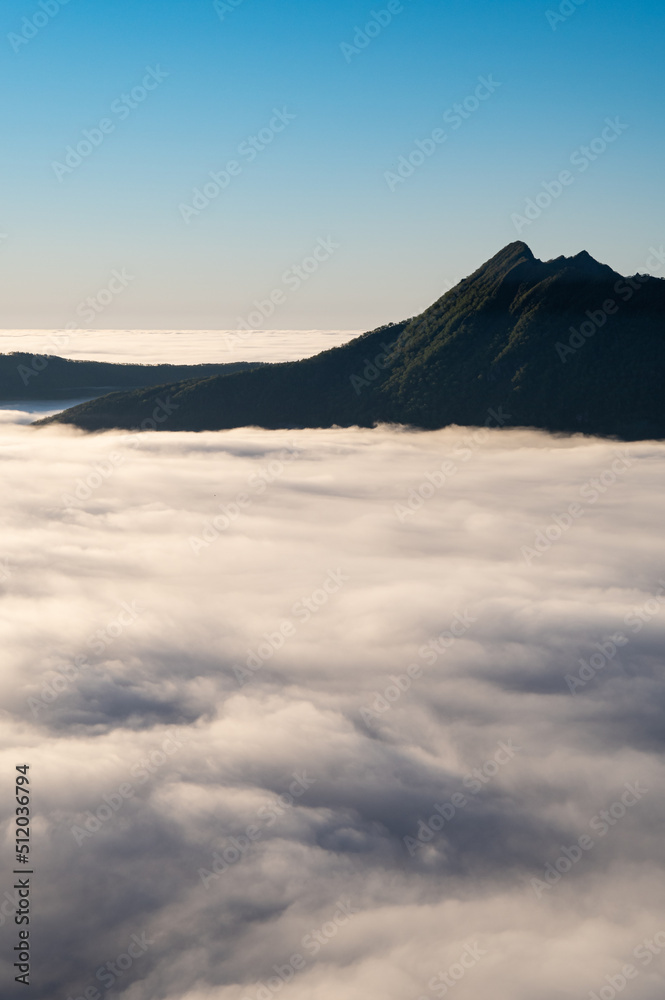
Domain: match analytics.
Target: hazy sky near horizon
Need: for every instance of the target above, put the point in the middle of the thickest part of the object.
(346, 116)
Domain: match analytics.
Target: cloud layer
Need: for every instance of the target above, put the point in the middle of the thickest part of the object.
(308, 716)
(184, 347)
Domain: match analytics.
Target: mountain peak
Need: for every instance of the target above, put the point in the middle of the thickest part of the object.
(541, 341)
(514, 253)
(498, 266)
(521, 248)
(586, 264)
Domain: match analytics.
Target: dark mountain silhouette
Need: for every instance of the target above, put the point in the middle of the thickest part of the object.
(564, 345)
(46, 376)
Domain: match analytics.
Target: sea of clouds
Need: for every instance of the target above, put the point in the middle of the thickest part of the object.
(359, 714)
(176, 347)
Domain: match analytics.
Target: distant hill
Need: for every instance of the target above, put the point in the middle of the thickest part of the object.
(45, 376)
(565, 345)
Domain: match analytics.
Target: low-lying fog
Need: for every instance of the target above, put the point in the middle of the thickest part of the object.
(372, 715)
(175, 347)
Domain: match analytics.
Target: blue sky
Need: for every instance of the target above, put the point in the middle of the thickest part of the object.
(329, 174)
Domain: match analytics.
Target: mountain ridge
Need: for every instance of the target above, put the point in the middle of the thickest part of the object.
(26, 376)
(564, 345)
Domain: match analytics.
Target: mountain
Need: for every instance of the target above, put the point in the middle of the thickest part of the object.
(46, 376)
(564, 345)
